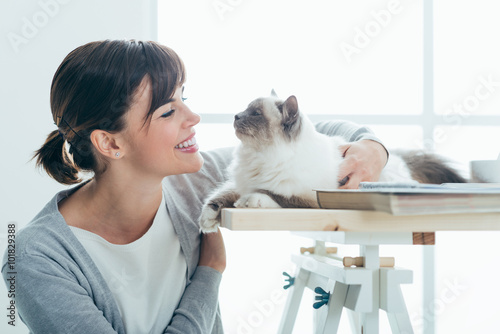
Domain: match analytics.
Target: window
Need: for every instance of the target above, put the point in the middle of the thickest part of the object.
(467, 80)
(349, 60)
(418, 73)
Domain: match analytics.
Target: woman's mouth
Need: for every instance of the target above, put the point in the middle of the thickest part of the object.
(189, 145)
(186, 143)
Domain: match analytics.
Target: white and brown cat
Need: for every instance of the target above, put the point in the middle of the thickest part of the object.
(282, 158)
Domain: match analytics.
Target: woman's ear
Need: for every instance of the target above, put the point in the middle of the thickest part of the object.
(106, 144)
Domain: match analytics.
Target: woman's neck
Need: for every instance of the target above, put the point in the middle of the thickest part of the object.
(118, 209)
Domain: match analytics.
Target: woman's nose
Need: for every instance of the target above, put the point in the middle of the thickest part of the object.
(192, 118)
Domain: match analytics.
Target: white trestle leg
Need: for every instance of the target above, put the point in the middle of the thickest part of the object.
(361, 290)
(370, 320)
(392, 301)
(295, 292)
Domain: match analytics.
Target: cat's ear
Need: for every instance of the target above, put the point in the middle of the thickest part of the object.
(290, 112)
(273, 93)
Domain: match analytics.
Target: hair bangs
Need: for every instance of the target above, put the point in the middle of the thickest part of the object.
(166, 72)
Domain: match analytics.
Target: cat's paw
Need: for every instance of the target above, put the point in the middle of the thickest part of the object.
(256, 200)
(210, 218)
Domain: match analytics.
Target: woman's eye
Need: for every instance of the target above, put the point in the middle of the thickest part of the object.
(168, 113)
(184, 99)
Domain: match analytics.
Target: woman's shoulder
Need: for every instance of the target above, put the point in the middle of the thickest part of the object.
(44, 232)
(213, 171)
(217, 160)
(46, 245)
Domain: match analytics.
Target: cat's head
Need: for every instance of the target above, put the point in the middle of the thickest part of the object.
(267, 120)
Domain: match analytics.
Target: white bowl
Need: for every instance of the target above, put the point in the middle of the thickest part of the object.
(485, 171)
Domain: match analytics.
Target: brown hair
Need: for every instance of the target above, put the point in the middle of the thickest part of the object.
(93, 88)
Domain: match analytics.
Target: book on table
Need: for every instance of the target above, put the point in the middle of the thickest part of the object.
(414, 199)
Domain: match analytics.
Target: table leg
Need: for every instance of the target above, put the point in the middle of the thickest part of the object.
(400, 323)
(293, 301)
(429, 273)
(370, 321)
(335, 307)
(353, 321)
(392, 300)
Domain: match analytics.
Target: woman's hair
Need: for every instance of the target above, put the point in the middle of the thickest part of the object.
(93, 88)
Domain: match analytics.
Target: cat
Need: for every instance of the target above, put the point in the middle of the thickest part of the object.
(281, 158)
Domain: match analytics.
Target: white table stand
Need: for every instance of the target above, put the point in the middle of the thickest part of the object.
(362, 290)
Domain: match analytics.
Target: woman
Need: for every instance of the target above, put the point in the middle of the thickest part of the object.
(121, 252)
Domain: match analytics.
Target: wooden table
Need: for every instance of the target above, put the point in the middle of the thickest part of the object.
(362, 290)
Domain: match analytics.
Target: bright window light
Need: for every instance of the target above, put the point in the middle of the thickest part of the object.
(358, 60)
(362, 57)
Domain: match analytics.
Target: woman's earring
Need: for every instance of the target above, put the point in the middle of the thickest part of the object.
(117, 154)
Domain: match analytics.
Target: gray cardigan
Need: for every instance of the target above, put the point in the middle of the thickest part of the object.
(60, 290)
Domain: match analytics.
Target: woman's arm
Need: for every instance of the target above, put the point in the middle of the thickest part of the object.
(350, 131)
(185, 195)
(199, 304)
(198, 307)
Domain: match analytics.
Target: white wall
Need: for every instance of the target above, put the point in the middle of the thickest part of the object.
(35, 36)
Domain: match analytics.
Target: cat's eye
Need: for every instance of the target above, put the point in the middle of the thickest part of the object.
(256, 112)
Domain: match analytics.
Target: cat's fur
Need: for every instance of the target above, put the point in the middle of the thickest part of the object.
(282, 158)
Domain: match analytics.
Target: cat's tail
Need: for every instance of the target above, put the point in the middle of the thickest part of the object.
(430, 167)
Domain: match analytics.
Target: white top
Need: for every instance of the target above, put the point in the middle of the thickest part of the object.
(146, 277)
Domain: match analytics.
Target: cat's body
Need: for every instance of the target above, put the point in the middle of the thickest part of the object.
(282, 158)
(288, 167)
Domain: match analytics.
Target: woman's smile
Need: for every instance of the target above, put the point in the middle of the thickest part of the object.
(188, 145)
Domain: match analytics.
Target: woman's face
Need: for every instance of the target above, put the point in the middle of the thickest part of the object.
(167, 146)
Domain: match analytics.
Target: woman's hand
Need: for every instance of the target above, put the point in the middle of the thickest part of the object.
(363, 161)
(213, 251)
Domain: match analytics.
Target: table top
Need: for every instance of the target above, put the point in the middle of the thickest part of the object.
(354, 220)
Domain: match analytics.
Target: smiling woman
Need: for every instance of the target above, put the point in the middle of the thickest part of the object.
(120, 252)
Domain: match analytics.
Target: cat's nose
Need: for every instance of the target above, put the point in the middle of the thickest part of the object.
(236, 117)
